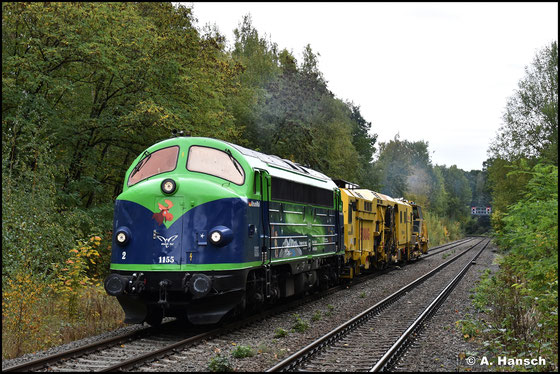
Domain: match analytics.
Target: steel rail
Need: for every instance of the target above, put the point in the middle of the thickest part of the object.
(291, 362)
(29, 365)
(449, 246)
(80, 351)
(162, 352)
(398, 348)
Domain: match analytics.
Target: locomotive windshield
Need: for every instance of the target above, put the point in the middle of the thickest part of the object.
(160, 161)
(215, 162)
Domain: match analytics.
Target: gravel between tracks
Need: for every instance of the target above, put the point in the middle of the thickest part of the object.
(441, 345)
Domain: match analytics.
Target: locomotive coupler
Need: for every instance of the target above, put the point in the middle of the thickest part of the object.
(163, 293)
(137, 283)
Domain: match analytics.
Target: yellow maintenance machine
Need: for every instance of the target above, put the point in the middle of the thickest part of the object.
(379, 230)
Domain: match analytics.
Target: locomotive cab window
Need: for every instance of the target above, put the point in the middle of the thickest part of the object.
(417, 212)
(217, 163)
(160, 161)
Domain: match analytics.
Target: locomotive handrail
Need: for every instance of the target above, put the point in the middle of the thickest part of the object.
(290, 246)
(327, 243)
(289, 237)
(285, 211)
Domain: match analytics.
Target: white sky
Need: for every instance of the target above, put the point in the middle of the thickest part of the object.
(439, 72)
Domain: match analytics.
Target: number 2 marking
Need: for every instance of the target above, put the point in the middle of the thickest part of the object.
(124, 255)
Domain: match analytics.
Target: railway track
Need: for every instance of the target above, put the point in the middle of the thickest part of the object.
(446, 247)
(133, 349)
(375, 338)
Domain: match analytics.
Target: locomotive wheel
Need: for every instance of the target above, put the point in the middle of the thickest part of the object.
(154, 317)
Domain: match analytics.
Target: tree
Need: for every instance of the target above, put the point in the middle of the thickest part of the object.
(459, 193)
(405, 167)
(530, 126)
(102, 81)
(258, 58)
(85, 88)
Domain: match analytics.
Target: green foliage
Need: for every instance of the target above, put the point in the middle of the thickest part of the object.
(530, 127)
(531, 224)
(280, 333)
(316, 316)
(102, 81)
(37, 314)
(242, 351)
(507, 188)
(478, 225)
(219, 363)
(522, 298)
(478, 180)
(459, 193)
(469, 327)
(35, 230)
(299, 324)
(442, 229)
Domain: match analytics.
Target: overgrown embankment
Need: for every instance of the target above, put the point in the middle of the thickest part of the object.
(521, 299)
(70, 303)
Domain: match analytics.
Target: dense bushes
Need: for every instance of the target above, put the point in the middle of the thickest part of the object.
(69, 304)
(442, 229)
(522, 298)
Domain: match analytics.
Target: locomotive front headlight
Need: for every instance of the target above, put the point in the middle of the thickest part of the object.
(215, 237)
(122, 236)
(168, 186)
(220, 236)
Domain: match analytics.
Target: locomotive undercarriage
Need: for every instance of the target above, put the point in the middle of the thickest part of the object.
(207, 297)
(291, 279)
(200, 298)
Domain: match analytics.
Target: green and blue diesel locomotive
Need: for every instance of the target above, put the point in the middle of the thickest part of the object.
(205, 228)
